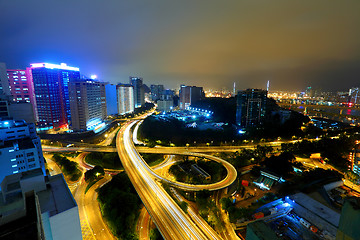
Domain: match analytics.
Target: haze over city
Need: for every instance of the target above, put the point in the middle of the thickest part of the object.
(180, 120)
(291, 43)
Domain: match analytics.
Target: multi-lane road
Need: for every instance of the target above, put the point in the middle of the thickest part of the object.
(171, 221)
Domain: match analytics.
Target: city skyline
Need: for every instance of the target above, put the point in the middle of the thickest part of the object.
(291, 44)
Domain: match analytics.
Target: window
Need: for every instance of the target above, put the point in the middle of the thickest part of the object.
(31, 159)
(30, 154)
(32, 165)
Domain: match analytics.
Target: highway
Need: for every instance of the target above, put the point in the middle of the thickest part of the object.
(171, 221)
(167, 150)
(227, 181)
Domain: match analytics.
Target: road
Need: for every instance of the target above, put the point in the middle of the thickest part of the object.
(228, 232)
(227, 181)
(171, 221)
(109, 138)
(89, 210)
(168, 150)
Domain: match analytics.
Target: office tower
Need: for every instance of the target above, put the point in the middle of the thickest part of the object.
(111, 99)
(125, 98)
(87, 104)
(4, 83)
(139, 95)
(354, 95)
(20, 147)
(349, 220)
(165, 105)
(36, 207)
(51, 93)
(103, 100)
(190, 95)
(156, 91)
(167, 94)
(21, 86)
(250, 107)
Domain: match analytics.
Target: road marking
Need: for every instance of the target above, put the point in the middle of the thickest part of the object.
(85, 230)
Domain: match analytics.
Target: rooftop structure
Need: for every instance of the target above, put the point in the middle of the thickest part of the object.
(58, 209)
(20, 147)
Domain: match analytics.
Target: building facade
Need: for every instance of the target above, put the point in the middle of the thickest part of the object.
(156, 91)
(20, 147)
(21, 86)
(51, 94)
(165, 105)
(354, 95)
(4, 83)
(125, 98)
(251, 107)
(55, 209)
(139, 94)
(87, 104)
(189, 95)
(111, 99)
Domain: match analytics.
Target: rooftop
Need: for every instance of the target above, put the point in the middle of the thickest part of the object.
(317, 208)
(57, 198)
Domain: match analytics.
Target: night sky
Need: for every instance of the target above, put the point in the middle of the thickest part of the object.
(209, 43)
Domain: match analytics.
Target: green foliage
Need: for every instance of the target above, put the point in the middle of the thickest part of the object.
(214, 169)
(208, 209)
(310, 181)
(281, 164)
(184, 206)
(155, 235)
(120, 206)
(69, 168)
(335, 150)
(226, 203)
(93, 174)
(174, 131)
(352, 177)
(152, 158)
(237, 213)
(105, 160)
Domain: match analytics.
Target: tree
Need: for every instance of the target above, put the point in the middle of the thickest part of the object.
(94, 173)
(225, 203)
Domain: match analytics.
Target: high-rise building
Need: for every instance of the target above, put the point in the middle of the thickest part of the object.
(111, 99)
(167, 94)
(33, 206)
(354, 95)
(4, 83)
(51, 93)
(156, 91)
(251, 107)
(139, 95)
(21, 86)
(165, 105)
(87, 104)
(190, 95)
(20, 147)
(125, 98)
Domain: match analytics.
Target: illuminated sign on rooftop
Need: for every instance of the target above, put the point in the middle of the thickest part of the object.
(62, 66)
